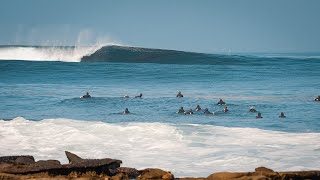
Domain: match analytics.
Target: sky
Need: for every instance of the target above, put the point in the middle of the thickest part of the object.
(197, 25)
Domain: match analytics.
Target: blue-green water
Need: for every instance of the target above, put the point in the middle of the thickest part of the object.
(46, 94)
(40, 90)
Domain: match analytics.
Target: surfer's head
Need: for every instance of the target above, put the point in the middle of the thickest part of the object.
(282, 115)
(259, 115)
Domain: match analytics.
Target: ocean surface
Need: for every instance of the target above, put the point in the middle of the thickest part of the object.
(42, 114)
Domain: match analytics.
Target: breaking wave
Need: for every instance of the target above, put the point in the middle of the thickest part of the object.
(46, 53)
(126, 54)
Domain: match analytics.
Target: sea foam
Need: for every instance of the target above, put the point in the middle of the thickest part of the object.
(184, 149)
(66, 54)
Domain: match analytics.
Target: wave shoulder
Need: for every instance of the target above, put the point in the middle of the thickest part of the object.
(129, 54)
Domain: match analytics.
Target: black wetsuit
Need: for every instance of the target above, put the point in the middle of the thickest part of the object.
(86, 96)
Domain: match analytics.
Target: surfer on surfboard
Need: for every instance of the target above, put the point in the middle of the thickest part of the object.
(87, 95)
(221, 102)
(126, 111)
(181, 111)
(259, 115)
(179, 95)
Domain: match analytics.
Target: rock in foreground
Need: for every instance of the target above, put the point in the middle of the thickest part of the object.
(263, 173)
(12, 165)
(24, 167)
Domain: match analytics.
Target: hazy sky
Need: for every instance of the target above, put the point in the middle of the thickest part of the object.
(198, 25)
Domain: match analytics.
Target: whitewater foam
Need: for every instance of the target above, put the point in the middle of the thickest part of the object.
(42, 53)
(186, 150)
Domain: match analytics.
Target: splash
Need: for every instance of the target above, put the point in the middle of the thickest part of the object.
(46, 53)
(186, 150)
(86, 44)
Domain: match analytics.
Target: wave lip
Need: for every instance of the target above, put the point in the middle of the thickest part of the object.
(46, 53)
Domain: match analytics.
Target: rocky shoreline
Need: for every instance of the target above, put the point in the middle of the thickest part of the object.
(25, 167)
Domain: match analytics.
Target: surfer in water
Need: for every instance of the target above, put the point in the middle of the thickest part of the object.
(259, 115)
(181, 111)
(252, 109)
(282, 115)
(126, 111)
(179, 95)
(221, 102)
(225, 109)
(140, 96)
(317, 98)
(206, 111)
(189, 112)
(126, 96)
(198, 108)
(87, 95)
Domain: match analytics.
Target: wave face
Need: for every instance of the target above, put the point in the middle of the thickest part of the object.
(43, 53)
(185, 149)
(161, 56)
(147, 55)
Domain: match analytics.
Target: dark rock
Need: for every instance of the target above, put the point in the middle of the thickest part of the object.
(72, 157)
(97, 165)
(57, 169)
(53, 167)
(77, 161)
(24, 160)
(21, 160)
(300, 175)
(131, 172)
(48, 163)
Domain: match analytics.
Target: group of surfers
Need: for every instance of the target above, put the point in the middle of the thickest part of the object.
(225, 109)
(87, 95)
(198, 108)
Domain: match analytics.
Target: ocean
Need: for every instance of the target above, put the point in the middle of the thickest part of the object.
(42, 114)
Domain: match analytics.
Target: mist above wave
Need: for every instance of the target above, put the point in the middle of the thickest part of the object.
(47, 53)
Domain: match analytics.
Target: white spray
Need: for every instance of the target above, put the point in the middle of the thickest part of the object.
(186, 150)
(86, 44)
